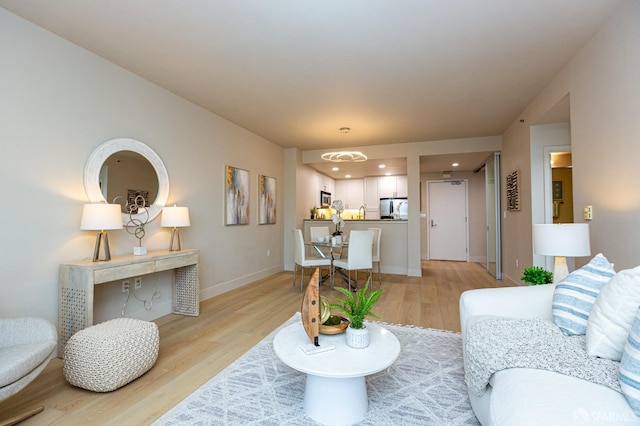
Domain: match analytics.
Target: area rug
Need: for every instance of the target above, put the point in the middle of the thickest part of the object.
(425, 386)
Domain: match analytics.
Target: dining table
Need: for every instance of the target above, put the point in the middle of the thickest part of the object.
(335, 249)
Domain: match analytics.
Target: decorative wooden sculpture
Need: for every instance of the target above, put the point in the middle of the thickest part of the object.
(311, 308)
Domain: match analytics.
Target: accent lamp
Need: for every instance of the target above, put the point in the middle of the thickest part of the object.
(175, 217)
(561, 240)
(101, 217)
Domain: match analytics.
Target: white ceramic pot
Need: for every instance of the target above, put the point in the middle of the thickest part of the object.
(358, 338)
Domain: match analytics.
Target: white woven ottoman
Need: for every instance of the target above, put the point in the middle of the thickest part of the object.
(104, 357)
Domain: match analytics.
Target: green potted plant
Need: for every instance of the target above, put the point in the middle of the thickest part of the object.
(356, 308)
(313, 212)
(535, 275)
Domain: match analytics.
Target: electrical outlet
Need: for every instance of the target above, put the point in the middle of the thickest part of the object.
(516, 263)
(125, 286)
(268, 252)
(137, 283)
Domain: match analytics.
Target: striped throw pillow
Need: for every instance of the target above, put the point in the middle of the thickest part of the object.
(630, 367)
(574, 296)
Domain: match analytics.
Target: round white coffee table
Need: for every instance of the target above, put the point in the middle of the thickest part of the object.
(335, 391)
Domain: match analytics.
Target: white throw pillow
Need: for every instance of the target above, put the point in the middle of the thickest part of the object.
(612, 315)
(630, 367)
(575, 295)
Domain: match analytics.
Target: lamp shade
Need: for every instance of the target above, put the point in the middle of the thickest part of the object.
(101, 217)
(175, 217)
(567, 239)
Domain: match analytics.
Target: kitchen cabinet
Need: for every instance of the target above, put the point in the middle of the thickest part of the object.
(401, 186)
(341, 191)
(351, 192)
(386, 187)
(355, 193)
(392, 186)
(371, 198)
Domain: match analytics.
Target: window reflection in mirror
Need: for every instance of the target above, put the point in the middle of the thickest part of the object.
(126, 174)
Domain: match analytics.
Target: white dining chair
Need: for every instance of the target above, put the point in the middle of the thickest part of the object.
(305, 260)
(358, 254)
(375, 251)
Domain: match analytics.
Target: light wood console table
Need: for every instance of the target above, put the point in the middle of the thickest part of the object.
(77, 281)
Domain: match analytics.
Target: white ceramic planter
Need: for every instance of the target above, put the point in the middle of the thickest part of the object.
(358, 338)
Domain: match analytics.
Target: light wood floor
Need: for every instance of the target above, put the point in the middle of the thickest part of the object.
(192, 350)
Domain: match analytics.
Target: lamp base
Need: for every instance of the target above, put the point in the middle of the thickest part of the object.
(175, 235)
(96, 252)
(560, 269)
(139, 251)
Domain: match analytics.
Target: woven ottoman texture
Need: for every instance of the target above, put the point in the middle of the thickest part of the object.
(107, 356)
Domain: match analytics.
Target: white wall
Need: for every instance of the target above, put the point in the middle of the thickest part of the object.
(602, 81)
(58, 103)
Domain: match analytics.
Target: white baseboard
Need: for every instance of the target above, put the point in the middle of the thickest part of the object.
(220, 288)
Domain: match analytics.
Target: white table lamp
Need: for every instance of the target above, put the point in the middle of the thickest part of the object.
(561, 241)
(175, 217)
(101, 217)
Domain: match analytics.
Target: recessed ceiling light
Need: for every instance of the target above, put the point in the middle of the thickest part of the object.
(388, 174)
(455, 165)
(381, 166)
(347, 176)
(335, 169)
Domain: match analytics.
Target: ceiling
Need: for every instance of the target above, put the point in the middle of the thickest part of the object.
(295, 71)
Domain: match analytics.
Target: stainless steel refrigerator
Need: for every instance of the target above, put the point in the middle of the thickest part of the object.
(394, 208)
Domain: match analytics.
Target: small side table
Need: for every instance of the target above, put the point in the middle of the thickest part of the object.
(338, 373)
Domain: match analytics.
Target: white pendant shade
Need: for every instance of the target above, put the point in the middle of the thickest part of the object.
(175, 217)
(101, 217)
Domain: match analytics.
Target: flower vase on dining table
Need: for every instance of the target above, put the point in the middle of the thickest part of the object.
(338, 206)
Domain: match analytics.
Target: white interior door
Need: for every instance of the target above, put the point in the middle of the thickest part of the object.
(447, 222)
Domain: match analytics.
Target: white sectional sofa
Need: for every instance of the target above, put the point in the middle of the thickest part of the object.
(523, 396)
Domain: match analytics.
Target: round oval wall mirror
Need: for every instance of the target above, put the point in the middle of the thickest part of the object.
(126, 171)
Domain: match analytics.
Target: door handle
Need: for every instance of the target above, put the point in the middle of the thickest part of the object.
(433, 224)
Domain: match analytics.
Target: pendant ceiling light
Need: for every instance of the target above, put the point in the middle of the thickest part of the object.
(344, 156)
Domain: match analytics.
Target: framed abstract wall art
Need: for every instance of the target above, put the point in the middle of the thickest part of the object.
(266, 200)
(236, 196)
(513, 191)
